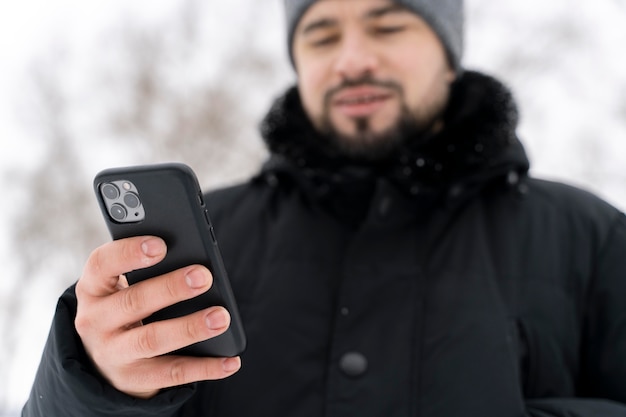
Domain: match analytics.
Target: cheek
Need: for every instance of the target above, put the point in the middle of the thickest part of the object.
(419, 73)
(312, 88)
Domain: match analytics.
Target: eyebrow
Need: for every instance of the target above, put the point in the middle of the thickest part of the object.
(319, 24)
(326, 22)
(383, 11)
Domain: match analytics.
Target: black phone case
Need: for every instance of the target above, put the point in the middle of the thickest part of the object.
(174, 210)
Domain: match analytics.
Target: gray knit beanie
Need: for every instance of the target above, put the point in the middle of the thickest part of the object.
(444, 16)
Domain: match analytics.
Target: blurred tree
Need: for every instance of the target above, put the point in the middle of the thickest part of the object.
(149, 110)
(170, 112)
(54, 220)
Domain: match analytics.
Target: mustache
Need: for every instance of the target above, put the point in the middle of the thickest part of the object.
(366, 80)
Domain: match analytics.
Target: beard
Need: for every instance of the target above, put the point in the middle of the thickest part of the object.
(367, 144)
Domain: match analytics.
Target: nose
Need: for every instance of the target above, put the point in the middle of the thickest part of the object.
(356, 57)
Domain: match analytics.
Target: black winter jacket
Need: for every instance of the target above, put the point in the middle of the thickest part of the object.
(447, 284)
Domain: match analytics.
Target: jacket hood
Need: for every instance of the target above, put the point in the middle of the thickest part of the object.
(477, 146)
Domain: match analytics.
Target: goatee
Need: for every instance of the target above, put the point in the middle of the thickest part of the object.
(367, 145)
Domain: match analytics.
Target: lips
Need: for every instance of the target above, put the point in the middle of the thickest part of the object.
(360, 101)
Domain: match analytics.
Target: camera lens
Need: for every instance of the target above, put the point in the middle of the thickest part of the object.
(131, 200)
(118, 212)
(110, 191)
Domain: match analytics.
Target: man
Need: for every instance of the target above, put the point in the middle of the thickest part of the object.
(392, 258)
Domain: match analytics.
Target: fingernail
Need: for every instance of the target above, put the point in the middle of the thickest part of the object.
(231, 364)
(152, 247)
(196, 279)
(217, 320)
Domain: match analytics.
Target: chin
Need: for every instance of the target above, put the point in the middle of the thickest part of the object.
(358, 128)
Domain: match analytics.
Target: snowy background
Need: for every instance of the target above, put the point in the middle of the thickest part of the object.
(85, 85)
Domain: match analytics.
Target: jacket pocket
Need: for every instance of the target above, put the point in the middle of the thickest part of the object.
(548, 366)
(524, 343)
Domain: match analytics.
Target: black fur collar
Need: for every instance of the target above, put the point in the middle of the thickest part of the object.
(477, 144)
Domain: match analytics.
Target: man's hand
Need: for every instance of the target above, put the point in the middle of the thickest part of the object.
(129, 354)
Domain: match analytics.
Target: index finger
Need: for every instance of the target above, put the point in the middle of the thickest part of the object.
(109, 261)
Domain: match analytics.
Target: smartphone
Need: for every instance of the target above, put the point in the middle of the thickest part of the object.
(166, 200)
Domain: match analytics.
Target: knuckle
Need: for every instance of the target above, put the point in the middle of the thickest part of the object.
(178, 373)
(146, 342)
(132, 301)
(82, 324)
(86, 321)
(79, 290)
(94, 262)
(191, 330)
(171, 288)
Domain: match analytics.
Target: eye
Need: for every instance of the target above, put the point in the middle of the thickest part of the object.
(324, 41)
(388, 30)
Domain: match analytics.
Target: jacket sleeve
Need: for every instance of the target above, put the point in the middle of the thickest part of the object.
(602, 380)
(66, 384)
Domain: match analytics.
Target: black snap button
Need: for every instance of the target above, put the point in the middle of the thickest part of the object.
(353, 364)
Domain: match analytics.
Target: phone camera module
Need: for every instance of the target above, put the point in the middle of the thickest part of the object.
(131, 200)
(118, 212)
(110, 191)
(122, 201)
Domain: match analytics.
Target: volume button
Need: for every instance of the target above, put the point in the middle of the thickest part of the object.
(211, 231)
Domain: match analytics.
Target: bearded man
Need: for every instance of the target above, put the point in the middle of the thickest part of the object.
(393, 257)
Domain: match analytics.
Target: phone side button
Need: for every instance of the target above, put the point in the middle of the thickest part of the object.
(207, 218)
(208, 221)
(212, 232)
